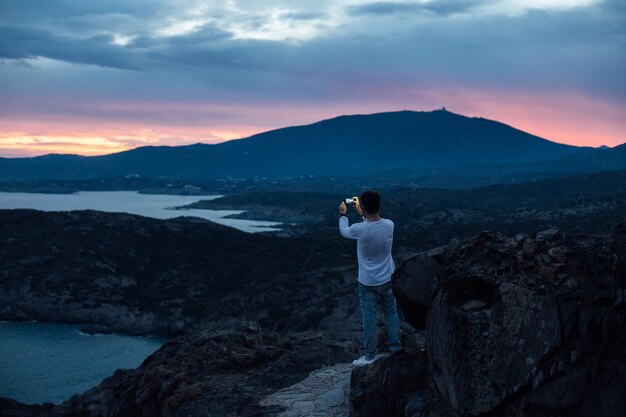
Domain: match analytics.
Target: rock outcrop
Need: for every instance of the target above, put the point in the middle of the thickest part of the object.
(324, 393)
(524, 325)
(384, 388)
(225, 371)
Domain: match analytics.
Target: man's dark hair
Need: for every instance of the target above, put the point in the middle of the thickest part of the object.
(370, 200)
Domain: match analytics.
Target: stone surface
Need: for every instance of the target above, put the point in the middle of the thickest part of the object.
(414, 285)
(323, 394)
(480, 358)
(474, 305)
(533, 324)
(384, 387)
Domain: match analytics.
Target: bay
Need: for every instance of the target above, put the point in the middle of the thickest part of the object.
(50, 362)
(158, 206)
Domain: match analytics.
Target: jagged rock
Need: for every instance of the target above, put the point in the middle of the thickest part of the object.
(557, 254)
(417, 405)
(479, 358)
(533, 324)
(473, 305)
(413, 287)
(549, 234)
(384, 387)
(529, 247)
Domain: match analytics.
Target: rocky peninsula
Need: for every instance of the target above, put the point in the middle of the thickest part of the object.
(137, 275)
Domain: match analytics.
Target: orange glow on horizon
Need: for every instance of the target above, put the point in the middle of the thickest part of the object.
(51, 144)
(98, 141)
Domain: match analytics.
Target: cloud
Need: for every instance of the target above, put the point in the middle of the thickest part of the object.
(580, 48)
(303, 15)
(25, 42)
(206, 60)
(440, 7)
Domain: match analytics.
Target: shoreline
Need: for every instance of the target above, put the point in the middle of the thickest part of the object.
(95, 329)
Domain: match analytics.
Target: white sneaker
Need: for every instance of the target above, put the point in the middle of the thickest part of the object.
(362, 361)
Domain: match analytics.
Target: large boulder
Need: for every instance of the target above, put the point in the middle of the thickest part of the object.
(528, 323)
(414, 285)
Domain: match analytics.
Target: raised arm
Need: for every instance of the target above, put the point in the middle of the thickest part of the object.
(347, 231)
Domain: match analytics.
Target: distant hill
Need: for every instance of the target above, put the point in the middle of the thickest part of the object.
(429, 217)
(147, 276)
(345, 146)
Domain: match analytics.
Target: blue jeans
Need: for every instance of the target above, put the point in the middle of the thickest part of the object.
(370, 297)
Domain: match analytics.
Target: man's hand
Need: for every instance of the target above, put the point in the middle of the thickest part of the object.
(358, 208)
(342, 208)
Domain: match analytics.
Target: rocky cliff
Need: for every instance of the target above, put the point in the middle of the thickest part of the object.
(222, 371)
(515, 326)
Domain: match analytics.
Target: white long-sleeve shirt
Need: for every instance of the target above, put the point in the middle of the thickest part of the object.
(373, 248)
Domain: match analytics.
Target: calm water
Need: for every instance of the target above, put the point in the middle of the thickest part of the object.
(44, 362)
(157, 206)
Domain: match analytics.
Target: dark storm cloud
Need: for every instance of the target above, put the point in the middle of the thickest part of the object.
(303, 15)
(440, 7)
(141, 53)
(202, 35)
(26, 42)
(579, 49)
(384, 8)
(35, 11)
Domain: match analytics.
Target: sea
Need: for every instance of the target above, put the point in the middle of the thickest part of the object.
(158, 206)
(48, 362)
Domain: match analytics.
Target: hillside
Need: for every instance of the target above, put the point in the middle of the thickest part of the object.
(428, 217)
(174, 276)
(345, 146)
(146, 276)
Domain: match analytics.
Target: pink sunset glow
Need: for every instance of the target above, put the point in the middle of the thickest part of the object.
(177, 76)
(565, 118)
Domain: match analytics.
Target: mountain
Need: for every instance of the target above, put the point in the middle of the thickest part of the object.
(341, 147)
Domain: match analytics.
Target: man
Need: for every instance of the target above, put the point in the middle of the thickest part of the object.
(374, 238)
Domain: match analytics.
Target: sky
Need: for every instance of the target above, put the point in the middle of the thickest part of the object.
(93, 77)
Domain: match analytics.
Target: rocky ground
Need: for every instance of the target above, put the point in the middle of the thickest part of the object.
(521, 325)
(229, 370)
(530, 325)
(324, 393)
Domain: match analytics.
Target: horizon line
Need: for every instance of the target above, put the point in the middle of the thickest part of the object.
(442, 109)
